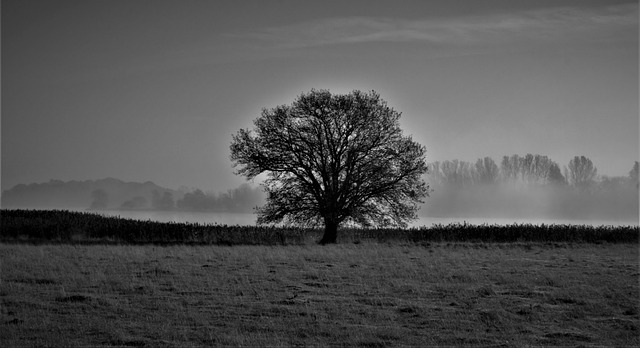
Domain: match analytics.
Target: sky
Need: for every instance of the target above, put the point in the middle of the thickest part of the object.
(154, 90)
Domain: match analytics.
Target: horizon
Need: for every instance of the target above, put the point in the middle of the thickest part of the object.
(153, 90)
(253, 184)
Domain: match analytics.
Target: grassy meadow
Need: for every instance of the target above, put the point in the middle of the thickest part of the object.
(366, 294)
(79, 279)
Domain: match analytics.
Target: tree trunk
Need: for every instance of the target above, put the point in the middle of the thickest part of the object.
(330, 232)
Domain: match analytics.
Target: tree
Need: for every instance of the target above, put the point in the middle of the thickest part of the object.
(582, 172)
(167, 201)
(457, 173)
(137, 202)
(555, 176)
(197, 200)
(531, 170)
(243, 198)
(544, 171)
(510, 167)
(100, 199)
(162, 201)
(333, 159)
(633, 174)
(486, 171)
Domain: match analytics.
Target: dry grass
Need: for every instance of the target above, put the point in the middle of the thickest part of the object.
(365, 294)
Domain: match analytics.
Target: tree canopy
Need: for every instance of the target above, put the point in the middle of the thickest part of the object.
(581, 172)
(333, 159)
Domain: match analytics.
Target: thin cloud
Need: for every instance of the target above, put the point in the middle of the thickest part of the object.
(547, 25)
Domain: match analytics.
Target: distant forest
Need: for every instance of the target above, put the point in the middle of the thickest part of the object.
(532, 186)
(115, 194)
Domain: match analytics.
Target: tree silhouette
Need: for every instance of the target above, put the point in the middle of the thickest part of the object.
(331, 159)
(633, 174)
(582, 172)
(100, 199)
(530, 170)
(510, 167)
(162, 201)
(486, 171)
(555, 176)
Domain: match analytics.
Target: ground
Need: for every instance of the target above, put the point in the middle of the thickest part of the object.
(365, 294)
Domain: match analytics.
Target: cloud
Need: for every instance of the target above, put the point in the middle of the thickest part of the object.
(563, 24)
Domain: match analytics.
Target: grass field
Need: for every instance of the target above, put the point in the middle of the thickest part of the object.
(367, 294)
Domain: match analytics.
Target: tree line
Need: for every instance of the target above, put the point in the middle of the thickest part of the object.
(530, 186)
(526, 171)
(242, 199)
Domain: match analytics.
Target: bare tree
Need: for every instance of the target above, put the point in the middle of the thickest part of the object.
(510, 167)
(633, 174)
(332, 159)
(582, 172)
(530, 170)
(554, 176)
(457, 173)
(486, 171)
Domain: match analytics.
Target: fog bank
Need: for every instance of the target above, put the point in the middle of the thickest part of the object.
(530, 187)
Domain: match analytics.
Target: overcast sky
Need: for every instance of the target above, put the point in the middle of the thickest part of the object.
(153, 90)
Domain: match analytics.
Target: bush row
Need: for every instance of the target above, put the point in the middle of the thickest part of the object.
(69, 226)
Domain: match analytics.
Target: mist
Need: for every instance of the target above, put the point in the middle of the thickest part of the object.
(530, 187)
(115, 194)
(239, 200)
(150, 93)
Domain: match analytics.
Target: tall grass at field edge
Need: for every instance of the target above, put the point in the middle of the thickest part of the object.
(82, 227)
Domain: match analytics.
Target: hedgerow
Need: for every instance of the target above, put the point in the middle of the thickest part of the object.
(83, 227)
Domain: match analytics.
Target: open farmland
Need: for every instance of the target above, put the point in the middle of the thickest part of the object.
(364, 294)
